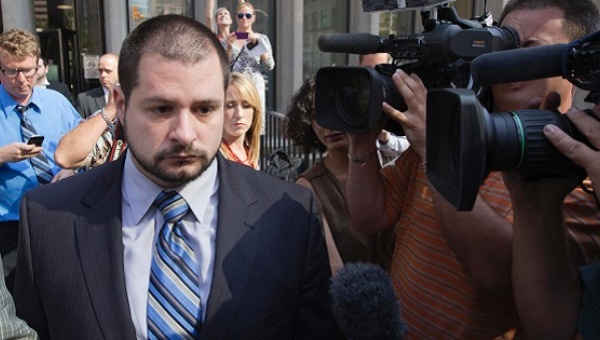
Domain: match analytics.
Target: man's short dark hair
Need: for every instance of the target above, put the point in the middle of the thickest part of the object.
(44, 60)
(581, 16)
(171, 36)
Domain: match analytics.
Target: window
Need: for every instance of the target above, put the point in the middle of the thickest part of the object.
(325, 17)
(140, 10)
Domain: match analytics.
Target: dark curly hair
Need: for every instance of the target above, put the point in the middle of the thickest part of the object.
(297, 124)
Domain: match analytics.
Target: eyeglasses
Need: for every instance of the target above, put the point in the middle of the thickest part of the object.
(241, 15)
(14, 72)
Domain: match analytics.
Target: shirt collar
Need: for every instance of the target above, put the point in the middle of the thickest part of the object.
(9, 104)
(139, 191)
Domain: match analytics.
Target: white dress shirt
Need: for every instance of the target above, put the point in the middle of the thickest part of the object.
(105, 91)
(142, 223)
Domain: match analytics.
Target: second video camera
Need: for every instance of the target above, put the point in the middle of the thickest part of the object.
(349, 99)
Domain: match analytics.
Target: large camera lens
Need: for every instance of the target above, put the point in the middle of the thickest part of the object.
(349, 99)
(465, 143)
(538, 157)
(516, 142)
(354, 99)
(504, 141)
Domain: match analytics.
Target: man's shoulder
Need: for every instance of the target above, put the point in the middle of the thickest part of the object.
(263, 182)
(95, 92)
(47, 95)
(70, 190)
(53, 84)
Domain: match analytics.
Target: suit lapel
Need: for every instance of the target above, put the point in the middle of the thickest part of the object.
(236, 248)
(100, 242)
(99, 99)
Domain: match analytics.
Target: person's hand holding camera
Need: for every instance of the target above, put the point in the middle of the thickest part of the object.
(578, 152)
(414, 94)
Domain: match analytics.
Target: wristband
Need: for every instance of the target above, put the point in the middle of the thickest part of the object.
(362, 161)
(106, 119)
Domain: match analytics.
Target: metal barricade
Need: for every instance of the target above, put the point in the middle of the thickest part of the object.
(274, 139)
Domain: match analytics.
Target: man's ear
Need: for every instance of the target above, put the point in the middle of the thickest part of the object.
(119, 100)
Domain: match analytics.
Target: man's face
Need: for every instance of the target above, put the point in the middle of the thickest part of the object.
(41, 72)
(223, 17)
(108, 71)
(238, 115)
(535, 27)
(173, 119)
(375, 59)
(19, 87)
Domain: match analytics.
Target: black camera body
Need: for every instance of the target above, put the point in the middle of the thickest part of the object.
(349, 99)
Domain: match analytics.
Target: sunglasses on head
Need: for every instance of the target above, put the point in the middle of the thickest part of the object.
(241, 15)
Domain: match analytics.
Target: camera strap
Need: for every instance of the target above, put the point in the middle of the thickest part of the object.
(237, 57)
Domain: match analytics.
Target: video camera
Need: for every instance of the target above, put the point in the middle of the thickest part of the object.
(349, 99)
(465, 142)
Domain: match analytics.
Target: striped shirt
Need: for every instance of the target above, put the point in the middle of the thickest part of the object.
(437, 300)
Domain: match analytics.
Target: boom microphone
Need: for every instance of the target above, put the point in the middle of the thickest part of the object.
(521, 64)
(365, 304)
(353, 43)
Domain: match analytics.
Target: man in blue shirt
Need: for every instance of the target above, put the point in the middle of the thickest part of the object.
(25, 111)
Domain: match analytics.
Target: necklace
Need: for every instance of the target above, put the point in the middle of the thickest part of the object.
(235, 158)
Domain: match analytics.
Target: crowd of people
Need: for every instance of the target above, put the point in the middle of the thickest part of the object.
(167, 228)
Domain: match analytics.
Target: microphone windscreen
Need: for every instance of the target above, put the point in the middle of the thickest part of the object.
(365, 303)
(353, 43)
(522, 64)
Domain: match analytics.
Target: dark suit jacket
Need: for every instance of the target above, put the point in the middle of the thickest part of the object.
(63, 89)
(271, 269)
(90, 102)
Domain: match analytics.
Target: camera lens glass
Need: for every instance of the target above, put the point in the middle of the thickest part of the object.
(354, 99)
(505, 139)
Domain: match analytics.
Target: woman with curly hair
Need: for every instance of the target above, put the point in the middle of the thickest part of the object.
(327, 179)
(243, 122)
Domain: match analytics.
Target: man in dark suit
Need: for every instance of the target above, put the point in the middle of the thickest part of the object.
(95, 99)
(57, 86)
(98, 260)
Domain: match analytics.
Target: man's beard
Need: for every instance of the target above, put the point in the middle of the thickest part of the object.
(174, 176)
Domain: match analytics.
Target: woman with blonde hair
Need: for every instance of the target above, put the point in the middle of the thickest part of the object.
(242, 54)
(243, 121)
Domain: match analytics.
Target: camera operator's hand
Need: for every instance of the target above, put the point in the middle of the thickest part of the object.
(414, 94)
(576, 151)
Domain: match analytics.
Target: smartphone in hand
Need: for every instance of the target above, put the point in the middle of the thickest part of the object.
(241, 35)
(35, 140)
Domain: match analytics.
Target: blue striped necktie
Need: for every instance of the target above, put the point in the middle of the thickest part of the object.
(40, 164)
(174, 306)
